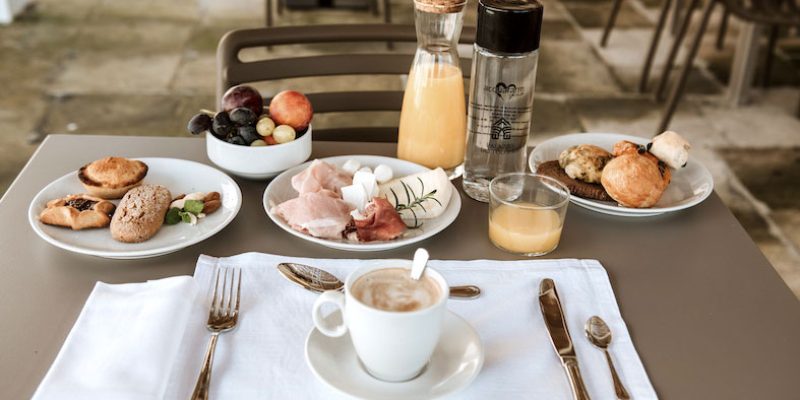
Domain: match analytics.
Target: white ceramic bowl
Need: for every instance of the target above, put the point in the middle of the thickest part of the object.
(258, 162)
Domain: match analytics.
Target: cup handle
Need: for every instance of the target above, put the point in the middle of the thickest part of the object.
(337, 298)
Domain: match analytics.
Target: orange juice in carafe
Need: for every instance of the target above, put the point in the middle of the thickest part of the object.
(433, 119)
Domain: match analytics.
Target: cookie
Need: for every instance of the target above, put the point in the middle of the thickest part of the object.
(578, 188)
(78, 211)
(140, 214)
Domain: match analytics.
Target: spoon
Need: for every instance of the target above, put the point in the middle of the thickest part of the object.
(598, 332)
(421, 257)
(318, 281)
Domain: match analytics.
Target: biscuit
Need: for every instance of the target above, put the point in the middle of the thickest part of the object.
(140, 214)
(578, 188)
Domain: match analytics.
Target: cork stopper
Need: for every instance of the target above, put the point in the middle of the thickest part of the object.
(440, 6)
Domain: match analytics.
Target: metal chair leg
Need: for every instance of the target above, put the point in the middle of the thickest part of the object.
(268, 12)
(374, 6)
(680, 85)
(769, 57)
(673, 52)
(387, 18)
(612, 19)
(651, 53)
(723, 28)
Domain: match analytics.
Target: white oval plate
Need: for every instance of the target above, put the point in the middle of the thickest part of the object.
(690, 185)
(179, 176)
(280, 190)
(455, 363)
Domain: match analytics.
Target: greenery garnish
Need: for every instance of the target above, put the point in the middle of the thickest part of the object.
(413, 200)
(176, 215)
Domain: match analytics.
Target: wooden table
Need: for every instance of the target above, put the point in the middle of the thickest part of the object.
(709, 316)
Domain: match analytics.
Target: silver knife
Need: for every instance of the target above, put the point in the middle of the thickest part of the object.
(559, 335)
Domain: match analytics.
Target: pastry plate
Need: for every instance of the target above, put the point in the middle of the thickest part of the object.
(689, 187)
(455, 363)
(280, 190)
(179, 176)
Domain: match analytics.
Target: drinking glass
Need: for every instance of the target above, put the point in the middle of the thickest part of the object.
(526, 213)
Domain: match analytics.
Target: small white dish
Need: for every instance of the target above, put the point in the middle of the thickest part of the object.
(689, 187)
(258, 162)
(455, 363)
(280, 190)
(179, 176)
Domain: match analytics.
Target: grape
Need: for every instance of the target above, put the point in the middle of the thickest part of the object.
(243, 116)
(283, 134)
(222, 126)
(199, 124)
(236, 139)
(248, 133)
(258, 143)
(265, 126)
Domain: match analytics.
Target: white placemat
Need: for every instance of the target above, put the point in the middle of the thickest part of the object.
(263, 358)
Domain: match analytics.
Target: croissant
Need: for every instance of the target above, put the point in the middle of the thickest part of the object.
(634, 177)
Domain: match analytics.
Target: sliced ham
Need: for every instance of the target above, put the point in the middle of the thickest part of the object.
(321, 175)
(321, 214)
(381, 222)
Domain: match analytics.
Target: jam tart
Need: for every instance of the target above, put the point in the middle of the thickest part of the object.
(112, 177)
(78, 211)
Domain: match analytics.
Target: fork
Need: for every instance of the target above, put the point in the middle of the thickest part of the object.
(222, 317)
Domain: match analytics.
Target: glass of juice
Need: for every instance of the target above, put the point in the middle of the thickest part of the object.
(526, 213)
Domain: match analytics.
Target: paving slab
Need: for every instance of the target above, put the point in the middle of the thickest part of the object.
(771, 175)
(146, 115)
(175, 10)
(96, 73)
(594, 14)
(567, 66)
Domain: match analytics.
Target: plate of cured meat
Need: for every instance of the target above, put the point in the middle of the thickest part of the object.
(625, 175)
(362, 203)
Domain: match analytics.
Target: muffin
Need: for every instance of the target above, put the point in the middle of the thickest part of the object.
(112, 177)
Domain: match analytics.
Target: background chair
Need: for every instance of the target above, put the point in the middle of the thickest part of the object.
(231, 70)
(373, 6)
(763, 12)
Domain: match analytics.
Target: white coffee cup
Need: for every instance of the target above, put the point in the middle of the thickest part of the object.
(393, 346)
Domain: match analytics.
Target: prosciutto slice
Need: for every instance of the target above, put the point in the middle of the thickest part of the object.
(381, 222)
(321, 175)
(321, 214)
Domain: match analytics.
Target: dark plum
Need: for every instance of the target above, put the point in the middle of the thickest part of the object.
(236, 139)
(199, 124)
(243, 116)
(222, 126)
(243, 96)
(248, 133)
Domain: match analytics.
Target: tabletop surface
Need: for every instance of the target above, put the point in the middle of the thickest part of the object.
(710, 317)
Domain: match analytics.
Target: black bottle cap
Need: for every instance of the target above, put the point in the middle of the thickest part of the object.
(509, 26)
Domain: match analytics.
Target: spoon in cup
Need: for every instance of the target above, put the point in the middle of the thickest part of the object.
(421, 257)
(599, 334)
(318, 280)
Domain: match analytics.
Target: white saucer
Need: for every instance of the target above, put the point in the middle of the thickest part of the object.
(179, 176)
(280, 190)
(455, 363)
(689, 187)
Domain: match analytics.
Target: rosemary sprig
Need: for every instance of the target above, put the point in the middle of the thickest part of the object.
(414, 200)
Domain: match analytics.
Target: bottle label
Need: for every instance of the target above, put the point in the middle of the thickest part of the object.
(501, 118)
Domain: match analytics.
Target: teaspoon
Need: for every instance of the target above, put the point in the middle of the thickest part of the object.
(598, 332)
(318, 281)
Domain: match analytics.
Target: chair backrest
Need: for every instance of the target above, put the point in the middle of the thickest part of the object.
(768, 12)
(231, 70)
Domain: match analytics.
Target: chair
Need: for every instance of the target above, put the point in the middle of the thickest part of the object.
(764, 12)
(232, 71)
(373, 6)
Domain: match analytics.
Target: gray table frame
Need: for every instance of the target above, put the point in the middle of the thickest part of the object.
(709, 316)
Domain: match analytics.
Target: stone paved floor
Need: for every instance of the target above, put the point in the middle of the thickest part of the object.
(144, 67)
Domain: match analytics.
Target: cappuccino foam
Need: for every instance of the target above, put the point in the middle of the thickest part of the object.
(393, 289)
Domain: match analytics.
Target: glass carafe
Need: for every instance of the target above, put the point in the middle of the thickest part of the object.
(433, 118)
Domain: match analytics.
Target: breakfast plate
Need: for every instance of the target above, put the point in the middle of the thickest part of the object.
(689, 186)
(281, 190)
(455, 363)
(179, 176)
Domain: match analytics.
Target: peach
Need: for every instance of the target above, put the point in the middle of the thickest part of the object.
(291, 108)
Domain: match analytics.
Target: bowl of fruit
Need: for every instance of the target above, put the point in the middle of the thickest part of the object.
(249, 140)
